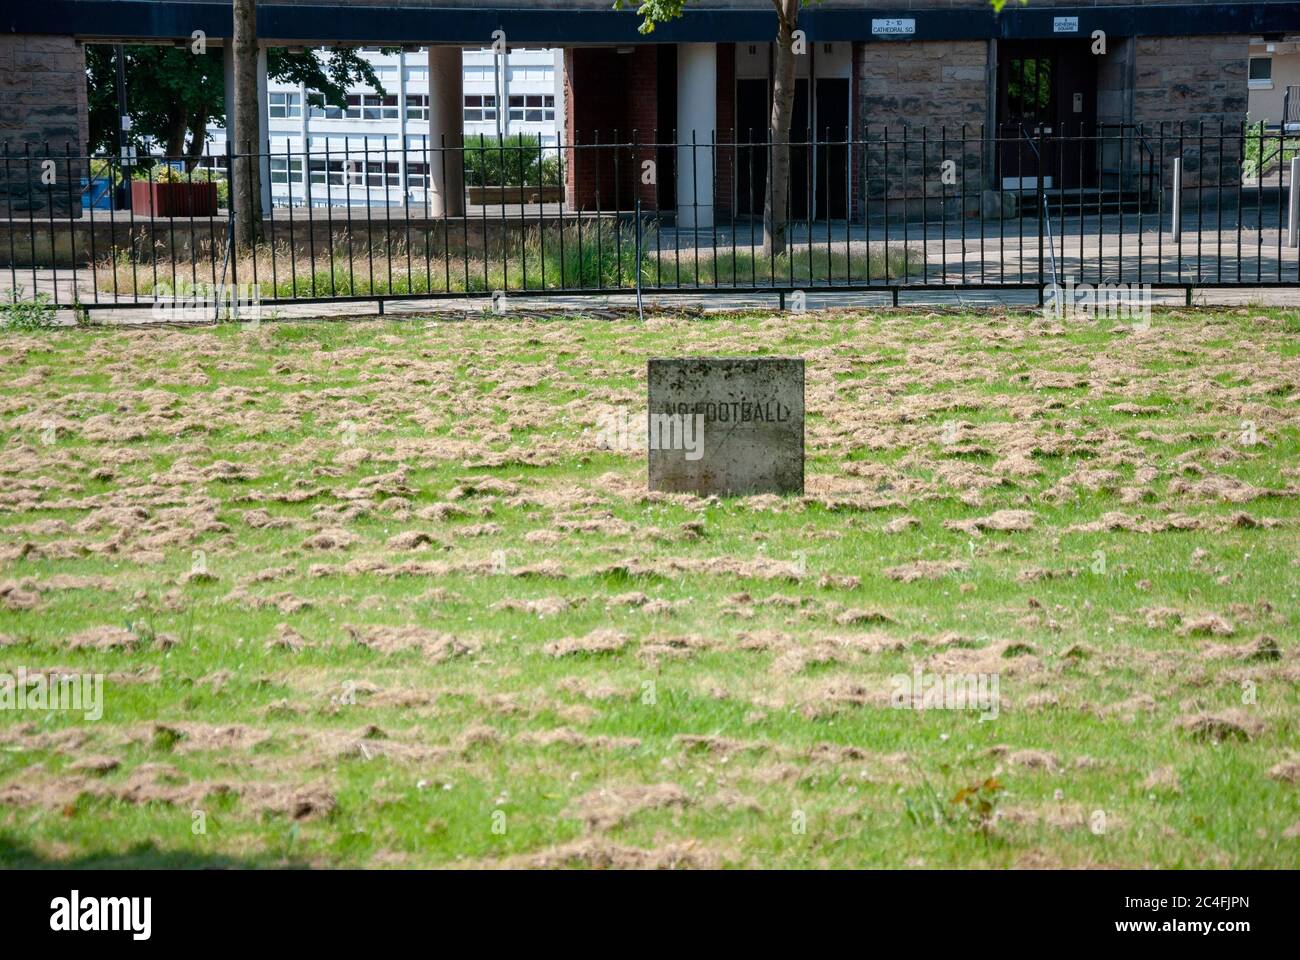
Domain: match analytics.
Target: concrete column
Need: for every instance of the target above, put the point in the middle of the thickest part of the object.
(264, 130)
(401, 127)
(697, 120)
(446, 130)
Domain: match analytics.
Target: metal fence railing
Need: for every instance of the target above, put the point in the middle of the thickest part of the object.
(1020, 207)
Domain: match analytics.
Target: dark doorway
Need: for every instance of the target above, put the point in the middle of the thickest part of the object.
(753, 113)
(832, 150)
(665, 155)
(801, 179)
(1047, 92)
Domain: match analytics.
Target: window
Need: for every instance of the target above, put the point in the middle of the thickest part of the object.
(375, 107)
(417, 106)
(532, 108)
(1261, 72)
(210, 162)
(480, 107)
(417, 175)
(371, 106)
(417, 74)
(319, 169)
(532, 74)
(320, 109)
(285, 105)
(379, 174)
(284, 169)
(1029, 90)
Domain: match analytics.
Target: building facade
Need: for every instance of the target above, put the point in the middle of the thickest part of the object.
(1275, 82)
(376, 149)
(693, 95)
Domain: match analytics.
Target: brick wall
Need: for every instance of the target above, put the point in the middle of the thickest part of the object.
(724, 177)
(42, 100)
(642, 106)
(611, 96)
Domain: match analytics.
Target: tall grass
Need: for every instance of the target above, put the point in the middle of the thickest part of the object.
(591, 256)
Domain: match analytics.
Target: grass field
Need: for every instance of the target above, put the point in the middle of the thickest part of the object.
(370, 594)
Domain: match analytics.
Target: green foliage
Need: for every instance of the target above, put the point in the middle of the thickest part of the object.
(653, 11)
(518, 160)
(151, 172)
(157, 173)
(19, 314)
(1265, 152)
(327, 79)
(172, 91)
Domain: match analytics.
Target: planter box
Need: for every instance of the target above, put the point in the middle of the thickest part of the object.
(528, 194)
(173, 199)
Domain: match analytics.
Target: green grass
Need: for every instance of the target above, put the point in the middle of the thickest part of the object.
(346, 755)
(594, 255)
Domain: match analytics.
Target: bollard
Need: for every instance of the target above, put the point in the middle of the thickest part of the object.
(1178, 199)
(1293, 230)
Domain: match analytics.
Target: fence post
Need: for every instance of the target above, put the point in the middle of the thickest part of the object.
(640, 310)
(1293, 228)
(1178, 199)
(1042, 203)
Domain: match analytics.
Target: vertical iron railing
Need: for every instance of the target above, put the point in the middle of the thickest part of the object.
(886, 210)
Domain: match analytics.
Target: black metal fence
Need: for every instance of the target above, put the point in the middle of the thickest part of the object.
(1176, 206)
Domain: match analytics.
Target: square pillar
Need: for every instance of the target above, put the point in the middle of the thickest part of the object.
(446, 132)
(697, 123)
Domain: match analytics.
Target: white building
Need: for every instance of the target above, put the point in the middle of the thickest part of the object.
(1275, 82)
(377, 150)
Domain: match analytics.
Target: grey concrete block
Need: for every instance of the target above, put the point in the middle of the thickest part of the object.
(726, 425)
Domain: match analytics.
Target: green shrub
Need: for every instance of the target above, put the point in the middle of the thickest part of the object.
(1264, 154)
(518, 160)
(19, 314)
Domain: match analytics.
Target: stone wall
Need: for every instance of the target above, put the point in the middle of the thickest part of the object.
(42, 101)
(924, 93)
(1181, 83)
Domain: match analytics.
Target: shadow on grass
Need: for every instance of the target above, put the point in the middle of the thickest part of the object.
(15, 855)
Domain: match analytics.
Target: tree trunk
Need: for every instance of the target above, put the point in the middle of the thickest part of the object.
(246, 168)
(198, 137)
(778, 170)
(176, 125)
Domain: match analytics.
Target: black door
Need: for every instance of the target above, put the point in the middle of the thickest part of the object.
(832, 151)
(1026, 111)
(753, 114)
(666, 156)
(1076, 115)
(1047, 92)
